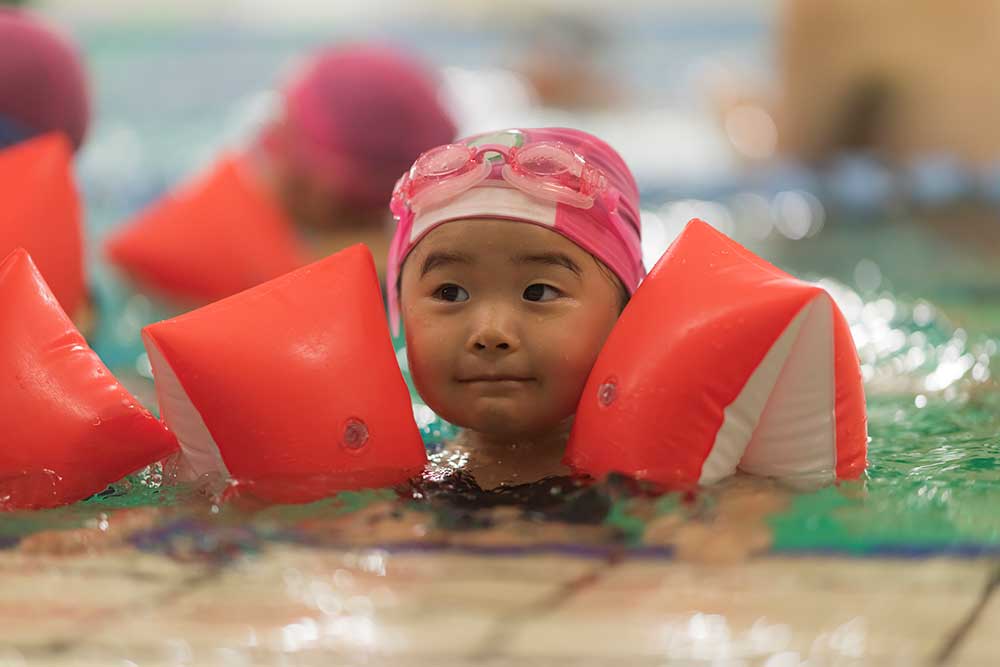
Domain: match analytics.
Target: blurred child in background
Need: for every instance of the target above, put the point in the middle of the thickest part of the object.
(314, 181)
(352, 119)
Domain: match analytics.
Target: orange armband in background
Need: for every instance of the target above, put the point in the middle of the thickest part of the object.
(215, 236)
(40, 212)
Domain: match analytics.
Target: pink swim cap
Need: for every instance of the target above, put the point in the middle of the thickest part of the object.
(42, 82)
(609, 229)
(355, 117)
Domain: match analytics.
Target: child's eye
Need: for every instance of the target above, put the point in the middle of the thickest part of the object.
(451, 293)
(540, 292)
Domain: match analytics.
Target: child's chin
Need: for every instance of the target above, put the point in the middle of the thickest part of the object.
(506, 420)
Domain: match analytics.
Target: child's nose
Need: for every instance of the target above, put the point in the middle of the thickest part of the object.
(494, 334)
(488, 343)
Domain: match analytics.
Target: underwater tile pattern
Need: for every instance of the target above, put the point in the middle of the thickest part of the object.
(981, 644)
(293, 605)
(788, 610)
(49, 604)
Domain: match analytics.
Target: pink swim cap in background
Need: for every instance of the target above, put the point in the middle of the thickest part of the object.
(42, 83)
(355, 117)
(609, 228)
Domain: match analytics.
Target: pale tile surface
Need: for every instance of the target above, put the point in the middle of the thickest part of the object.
(299, 606)
(981, 647)
(53, 600)
(829, 611)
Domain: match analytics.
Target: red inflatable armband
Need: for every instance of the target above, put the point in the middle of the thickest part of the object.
(216, 236)
(722, 362)
(40, 212)
(291, 387)
(69, 429)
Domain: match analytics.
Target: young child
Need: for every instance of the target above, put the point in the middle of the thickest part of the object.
(513, 257)
(352, 118)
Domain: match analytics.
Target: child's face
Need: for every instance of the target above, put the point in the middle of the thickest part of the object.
(504, 321)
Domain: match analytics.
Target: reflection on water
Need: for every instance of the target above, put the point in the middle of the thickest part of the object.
(910, 348)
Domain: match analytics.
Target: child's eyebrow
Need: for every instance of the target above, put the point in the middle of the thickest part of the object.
(441, 258)
(551, 259)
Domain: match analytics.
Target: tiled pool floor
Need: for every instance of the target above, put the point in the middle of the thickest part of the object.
(292, 605)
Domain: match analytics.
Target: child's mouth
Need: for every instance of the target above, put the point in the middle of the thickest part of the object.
(496, 385)
(496, 379)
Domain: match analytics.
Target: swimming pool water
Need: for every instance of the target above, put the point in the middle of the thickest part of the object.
(932, 487)
(927, 334)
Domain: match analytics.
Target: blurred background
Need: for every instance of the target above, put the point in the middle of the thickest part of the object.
(840, 139)
(175, 82)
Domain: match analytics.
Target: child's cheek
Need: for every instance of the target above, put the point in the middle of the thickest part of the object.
(576, 354)
(415, 353)
(569, 360)
(423, 352)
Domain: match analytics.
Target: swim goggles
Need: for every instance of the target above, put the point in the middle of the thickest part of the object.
(547, 170)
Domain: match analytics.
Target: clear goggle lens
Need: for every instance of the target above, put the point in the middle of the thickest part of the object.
(546, 170)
